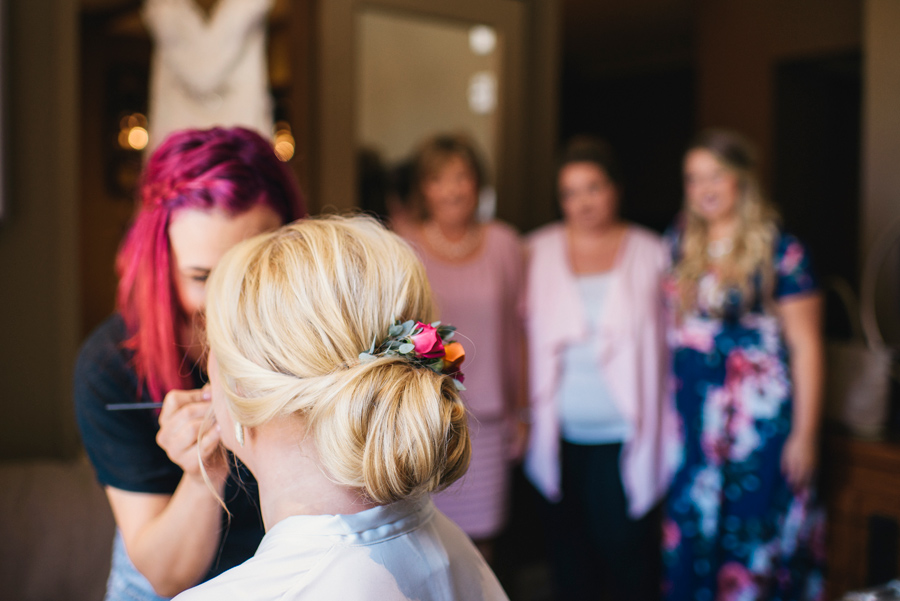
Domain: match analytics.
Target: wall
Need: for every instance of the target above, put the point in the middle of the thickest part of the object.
(628, 78)
(737, 44)
(413, 80)
(38, 237)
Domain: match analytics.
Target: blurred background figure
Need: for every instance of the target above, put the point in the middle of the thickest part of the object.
(208, 69)
(202, 192)
(476, 271)
(603, 425)
(748, 361)
(400, 204)
(372, 183)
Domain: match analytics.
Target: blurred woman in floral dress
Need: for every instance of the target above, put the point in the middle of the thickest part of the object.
(742, 521)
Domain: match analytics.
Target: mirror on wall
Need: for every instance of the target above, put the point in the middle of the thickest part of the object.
(417, 76)
(416, 67)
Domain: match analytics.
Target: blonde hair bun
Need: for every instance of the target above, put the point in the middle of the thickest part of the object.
(288, 314)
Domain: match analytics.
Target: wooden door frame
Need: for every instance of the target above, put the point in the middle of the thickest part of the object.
(527, 128)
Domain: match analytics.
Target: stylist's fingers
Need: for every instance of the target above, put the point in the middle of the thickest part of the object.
(177, 438)
(181, 436)
(195, 412)
(209, 441)
(182, 425)
(178, 399)
(181, 408)
(212, 455)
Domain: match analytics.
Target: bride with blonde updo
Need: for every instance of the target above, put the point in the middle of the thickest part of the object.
(345, 442)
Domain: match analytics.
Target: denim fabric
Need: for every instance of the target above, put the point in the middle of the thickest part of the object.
(125, 582)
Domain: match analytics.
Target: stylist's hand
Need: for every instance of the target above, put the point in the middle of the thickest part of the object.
(798, 460)
(184, 416)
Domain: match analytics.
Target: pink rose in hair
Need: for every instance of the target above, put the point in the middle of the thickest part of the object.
(428, 343)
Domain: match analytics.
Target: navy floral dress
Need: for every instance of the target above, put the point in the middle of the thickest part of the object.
(734, 530)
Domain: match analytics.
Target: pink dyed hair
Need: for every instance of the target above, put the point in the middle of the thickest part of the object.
(230, 169)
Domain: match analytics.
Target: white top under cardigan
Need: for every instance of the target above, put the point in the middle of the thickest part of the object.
(588, 413)
(403, 551)
(630, 350)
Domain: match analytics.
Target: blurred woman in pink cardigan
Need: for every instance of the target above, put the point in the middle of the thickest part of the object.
(603, 428)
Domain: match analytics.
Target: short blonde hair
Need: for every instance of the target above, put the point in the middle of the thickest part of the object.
(288, 314)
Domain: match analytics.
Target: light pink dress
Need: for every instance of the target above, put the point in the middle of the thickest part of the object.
(481, 297)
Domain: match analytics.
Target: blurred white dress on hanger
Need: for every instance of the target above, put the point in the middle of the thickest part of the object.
(208, 71)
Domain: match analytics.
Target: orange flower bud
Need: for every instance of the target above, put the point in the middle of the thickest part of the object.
(454, 355)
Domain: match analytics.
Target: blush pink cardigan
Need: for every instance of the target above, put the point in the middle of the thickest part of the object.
(631, 353)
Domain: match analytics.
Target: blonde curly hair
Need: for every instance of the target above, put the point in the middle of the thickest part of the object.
(288, 314)
(753, 244)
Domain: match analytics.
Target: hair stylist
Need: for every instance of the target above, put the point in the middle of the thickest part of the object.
(201, 193)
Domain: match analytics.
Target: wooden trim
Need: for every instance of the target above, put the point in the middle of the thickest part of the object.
(544, 54)
(336, 170)
(301, 102)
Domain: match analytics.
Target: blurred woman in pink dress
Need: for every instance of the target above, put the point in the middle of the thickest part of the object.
(476, 271)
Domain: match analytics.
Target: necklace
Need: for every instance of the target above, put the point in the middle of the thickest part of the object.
(716, 249)
(453, 250)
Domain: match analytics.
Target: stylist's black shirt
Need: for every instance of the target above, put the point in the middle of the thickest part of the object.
(122, 444)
